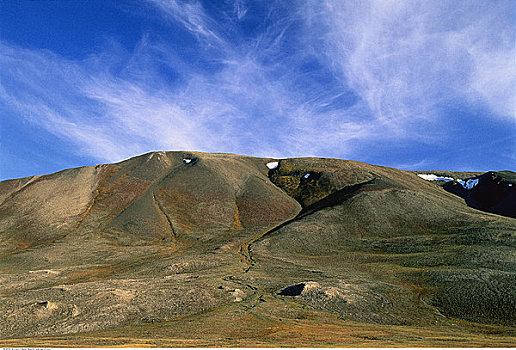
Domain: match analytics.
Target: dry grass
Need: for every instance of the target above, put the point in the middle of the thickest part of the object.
(161, 254)
(266, 326)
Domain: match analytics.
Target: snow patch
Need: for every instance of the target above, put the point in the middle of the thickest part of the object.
(272, 165)
(469, 184)
(307, 175)
(187, 160)
(432, 177)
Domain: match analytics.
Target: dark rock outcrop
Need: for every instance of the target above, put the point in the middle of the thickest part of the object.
(494, 192)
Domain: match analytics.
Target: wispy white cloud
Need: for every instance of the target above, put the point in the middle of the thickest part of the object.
(242, 107)
(110, 117)
(406, 58)
(322, 78)
(240, 8)
(193, 17)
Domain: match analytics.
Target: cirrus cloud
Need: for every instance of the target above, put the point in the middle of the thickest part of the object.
(315, 78)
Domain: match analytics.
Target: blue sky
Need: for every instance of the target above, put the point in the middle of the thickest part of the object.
(410, 84)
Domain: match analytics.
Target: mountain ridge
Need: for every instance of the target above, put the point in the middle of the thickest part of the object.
(183, 234)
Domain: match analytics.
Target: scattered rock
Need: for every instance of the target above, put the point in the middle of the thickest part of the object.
(238, 295)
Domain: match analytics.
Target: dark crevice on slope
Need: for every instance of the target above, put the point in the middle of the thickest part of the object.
(331, 200)
(334, 198)
(169, 220)
(149, 191)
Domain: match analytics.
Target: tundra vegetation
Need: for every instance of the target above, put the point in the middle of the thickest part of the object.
(193, 249)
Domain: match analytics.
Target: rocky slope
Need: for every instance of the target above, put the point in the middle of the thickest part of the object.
(196, 249)
(494, 192)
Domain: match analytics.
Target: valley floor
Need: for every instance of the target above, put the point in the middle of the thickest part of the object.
(268, 324)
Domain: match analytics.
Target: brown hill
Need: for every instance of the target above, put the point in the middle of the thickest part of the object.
(196, 249)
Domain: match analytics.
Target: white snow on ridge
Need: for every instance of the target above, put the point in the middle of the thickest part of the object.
(272, 165)
(432, 177)
(469, 184)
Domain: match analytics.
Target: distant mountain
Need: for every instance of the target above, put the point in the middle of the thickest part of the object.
(195, 249)
(494, 192)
